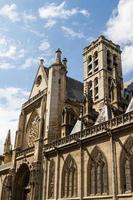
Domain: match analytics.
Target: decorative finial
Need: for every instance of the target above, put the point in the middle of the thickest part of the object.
(64, 62)
(58, 56)
(7, 144)
(41, 61)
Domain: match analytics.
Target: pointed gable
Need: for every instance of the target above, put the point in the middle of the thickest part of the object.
(105, 114)
(40, 82)
(130, 106)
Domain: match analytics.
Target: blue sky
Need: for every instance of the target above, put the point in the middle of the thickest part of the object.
(30, 30)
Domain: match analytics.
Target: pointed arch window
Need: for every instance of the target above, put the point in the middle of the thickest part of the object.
(126, 166)
(6, 189)
(96, 88)
(97, 173)
(69, 178)
(51, 179)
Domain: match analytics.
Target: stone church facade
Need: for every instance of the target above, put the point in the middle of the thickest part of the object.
(74, 140)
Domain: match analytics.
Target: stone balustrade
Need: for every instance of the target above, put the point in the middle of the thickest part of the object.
(5, 166)
(38, 96)
(25, 151)
(112, 124)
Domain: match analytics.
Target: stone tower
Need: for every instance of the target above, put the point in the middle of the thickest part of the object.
(103, 72)
(55, 97)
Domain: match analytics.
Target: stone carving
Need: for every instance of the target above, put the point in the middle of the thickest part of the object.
(35, 180)
(51, 179)
(33, 130)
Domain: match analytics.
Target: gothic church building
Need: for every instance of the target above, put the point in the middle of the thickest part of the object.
(74, 140)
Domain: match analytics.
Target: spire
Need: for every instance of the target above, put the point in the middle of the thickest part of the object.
(7, 144)
(58, 56)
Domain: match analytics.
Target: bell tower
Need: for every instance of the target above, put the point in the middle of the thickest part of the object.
(103, 72)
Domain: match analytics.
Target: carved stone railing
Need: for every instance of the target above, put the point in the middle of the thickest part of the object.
(112, 124)
(5, 166)
(38, 96)
(25, 151)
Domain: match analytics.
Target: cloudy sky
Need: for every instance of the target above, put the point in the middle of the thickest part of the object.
(30, 30)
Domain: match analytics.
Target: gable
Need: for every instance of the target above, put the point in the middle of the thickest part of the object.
(40, 82)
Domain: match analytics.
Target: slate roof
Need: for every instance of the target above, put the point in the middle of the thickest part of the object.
(74, 90)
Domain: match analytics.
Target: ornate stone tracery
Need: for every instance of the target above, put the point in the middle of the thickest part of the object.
(126, 166)
(97, 173)
(51, 179)
(33, 129)
(69, 178)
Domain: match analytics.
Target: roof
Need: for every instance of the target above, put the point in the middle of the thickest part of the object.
(74, 90)
(128, 83)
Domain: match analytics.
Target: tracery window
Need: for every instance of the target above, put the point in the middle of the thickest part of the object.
(51, 179)
(69, 178)
(126, 167)
(33, 128)
(97, 173)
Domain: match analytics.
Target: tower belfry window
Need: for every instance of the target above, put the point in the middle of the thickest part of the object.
(89, 65)
(96, 88)
(114, 60)
(95, 61)
(109, 61)
(89, 59)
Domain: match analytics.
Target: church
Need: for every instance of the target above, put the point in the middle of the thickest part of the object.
(74, 140)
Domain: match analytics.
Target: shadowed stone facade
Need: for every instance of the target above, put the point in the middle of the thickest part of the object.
(74, 140)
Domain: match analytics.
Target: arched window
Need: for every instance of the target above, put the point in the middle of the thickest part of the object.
(21, 188)
(96, 81)
(90, 87)
(126, 166)
(114, 59)
(89, 65)
(63, 117)
(109, 61)
(89, 58)
(6, 188)
(51, 179)
(95, 61)
(97, 173)
(69, 178)
(96, 88)
(95, 55)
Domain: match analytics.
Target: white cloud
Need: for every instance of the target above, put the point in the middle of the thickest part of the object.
(84, 12)
(120, 30)
(44, 45)
(29, 62)
(12, 52)
(50, 23)
(10, 49)
(120, 25)
(28, 17)
(31, 30)
(71, 33)
(127, 59)
(55, 11)
(6, 65)
(10, 103)
(10, 11)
